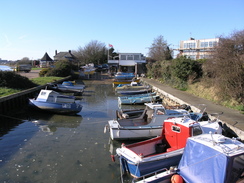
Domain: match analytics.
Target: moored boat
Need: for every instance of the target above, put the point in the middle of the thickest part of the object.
(148, 125)
(134, 91)
(124, 78)
(131, 87)
(138, 99)
(141, 158)
(124, 81)
(51, 101)
(68, 87)
(206, 158)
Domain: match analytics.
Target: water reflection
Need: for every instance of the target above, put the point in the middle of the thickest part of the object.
(58, 148)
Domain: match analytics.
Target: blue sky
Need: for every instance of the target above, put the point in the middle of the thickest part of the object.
(29, 28)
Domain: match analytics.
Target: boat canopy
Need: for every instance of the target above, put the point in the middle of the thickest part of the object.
(219, 161)
(68, 83)
(44, 95)
(52, 96)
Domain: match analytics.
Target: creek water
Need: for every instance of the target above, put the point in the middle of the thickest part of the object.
(48, 148)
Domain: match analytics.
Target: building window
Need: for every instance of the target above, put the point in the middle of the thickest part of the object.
(129, 57)
(189, 45)
(122, 57)
(204, 44)
(136, 57)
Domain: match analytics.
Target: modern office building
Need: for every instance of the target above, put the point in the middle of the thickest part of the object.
(197, 49)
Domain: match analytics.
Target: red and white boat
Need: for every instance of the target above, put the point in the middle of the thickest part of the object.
(206, 158)
(164, 151)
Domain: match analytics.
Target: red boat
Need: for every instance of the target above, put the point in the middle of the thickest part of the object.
(164, 151)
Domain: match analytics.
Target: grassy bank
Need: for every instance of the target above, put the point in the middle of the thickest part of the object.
(39, 81)
(211, 93)
(45, 80)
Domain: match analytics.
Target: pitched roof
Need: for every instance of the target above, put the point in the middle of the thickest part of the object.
(46, 57)
(67, 55)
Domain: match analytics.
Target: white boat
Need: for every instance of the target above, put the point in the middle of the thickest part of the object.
(206, 158)
(51, 101)
(88, 69)
(151, 121)
(148, 125)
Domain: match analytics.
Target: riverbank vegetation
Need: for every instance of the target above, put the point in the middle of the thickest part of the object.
(219, 78)
(11, 82)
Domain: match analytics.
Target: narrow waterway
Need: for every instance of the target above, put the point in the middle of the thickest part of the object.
(47, 148)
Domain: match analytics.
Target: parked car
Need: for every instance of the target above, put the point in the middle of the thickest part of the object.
(23, 67)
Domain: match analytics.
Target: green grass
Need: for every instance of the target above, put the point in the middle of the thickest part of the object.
(39, 81)
(45, 80)
(36, 68)
(7, 91)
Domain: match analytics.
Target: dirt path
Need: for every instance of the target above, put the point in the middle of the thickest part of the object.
(31, 74)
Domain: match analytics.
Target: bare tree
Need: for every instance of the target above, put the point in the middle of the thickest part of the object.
(226, 68)
(24, 60)
(94, 52)
(160, 50)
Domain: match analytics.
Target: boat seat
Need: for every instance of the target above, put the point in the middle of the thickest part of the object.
(160, 148)
(143, 115)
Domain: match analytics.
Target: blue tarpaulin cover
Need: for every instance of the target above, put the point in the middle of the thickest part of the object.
(199, 155)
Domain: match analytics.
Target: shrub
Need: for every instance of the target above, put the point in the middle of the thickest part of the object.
(183, 68)
(61, 69)
(10, 79)
(43, 72)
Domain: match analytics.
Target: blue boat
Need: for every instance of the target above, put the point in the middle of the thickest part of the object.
(51, 101)
(124, 76)
(134, 92)
(138, 99)
(206, 158)
(68, 87)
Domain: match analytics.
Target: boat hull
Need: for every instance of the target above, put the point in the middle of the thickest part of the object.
(60, 108)
(133, 92)
(117, 82)
(68, 90)
(137, 100)
(145, 167)
(130, 132)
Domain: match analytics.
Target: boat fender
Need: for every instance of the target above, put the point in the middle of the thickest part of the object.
(105, 129)
(112, 157)
(177, 179)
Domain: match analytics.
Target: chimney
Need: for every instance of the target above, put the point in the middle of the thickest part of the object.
(56, 52)
(70, 51)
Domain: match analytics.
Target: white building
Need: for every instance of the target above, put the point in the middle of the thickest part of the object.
(197, 49)
(129, 62)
